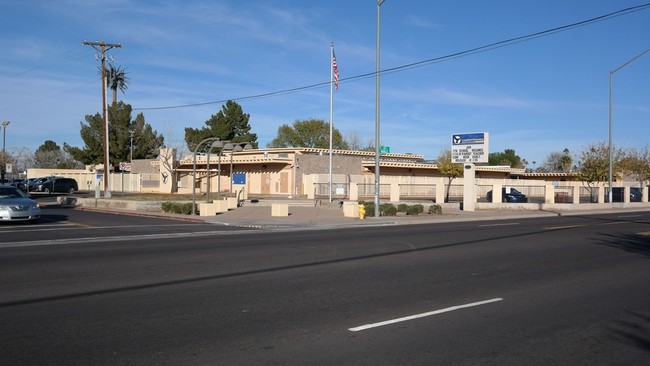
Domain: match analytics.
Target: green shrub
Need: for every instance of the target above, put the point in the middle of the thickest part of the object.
(415, 209)
(387, 209)
(435, 209)
(402, 207)
(178, 208)
(370, 208)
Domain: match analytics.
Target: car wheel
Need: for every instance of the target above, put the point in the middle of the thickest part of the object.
(46, 190)
(71, 190)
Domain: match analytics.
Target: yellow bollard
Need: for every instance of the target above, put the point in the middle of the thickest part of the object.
(362, 212)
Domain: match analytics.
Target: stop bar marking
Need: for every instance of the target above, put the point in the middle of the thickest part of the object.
(423, 315)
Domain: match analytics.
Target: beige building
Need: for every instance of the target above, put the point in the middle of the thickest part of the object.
(304, 172)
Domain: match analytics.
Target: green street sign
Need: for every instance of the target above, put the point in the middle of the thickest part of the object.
(384, 149)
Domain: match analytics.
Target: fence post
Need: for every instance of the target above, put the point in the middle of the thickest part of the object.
(394, 192)
(354, 191)
(576, 194)
(549, 193)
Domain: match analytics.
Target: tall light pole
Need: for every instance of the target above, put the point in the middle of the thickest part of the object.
(238, 146)
(196, 150)
(4, 162)
(377, 147)
(215, 144)
(131, 159)
(611, 159)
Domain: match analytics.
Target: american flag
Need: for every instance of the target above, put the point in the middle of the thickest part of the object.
(335, 68)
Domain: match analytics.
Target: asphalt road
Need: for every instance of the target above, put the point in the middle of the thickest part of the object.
(65, 225)
(564, 291)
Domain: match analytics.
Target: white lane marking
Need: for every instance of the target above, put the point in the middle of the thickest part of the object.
(506, 224)
(626, 216)
(112, 239)
(417, 316)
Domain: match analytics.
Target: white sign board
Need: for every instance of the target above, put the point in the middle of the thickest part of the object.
(469, 147)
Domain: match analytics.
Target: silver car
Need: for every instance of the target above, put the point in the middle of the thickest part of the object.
(15, 205)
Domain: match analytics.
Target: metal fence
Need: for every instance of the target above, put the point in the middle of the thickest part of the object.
(339, 190)
(417, 191)
(368, 189)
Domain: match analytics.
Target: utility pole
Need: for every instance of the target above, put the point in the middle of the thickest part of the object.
(102, 47)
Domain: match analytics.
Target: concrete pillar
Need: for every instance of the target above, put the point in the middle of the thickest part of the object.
(279, 209)
(440, 193)
(350, 209)
(354, 192)
(167, 163)
(576, 194)
(549, 193)
(601, 194)
(394, 192)
(497, 195)
(469, 187)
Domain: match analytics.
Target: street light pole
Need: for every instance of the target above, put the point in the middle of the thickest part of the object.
(132, 133)
(196, 150)
(4, 129)
(237, 147)
(377, 147)
(227, 146)
(219, 144)
(611, 159)
(4, 162)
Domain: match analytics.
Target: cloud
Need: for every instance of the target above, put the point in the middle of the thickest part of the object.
(421, 22)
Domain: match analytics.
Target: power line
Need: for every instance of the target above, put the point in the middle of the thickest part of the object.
(61, 57)
(422, 63)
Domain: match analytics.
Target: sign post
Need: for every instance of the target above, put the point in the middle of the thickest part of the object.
(467, 149)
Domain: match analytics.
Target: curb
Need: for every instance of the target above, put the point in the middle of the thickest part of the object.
(139, 214)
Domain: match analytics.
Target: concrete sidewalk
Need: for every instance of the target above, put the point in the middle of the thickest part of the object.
(332, 216)
(308, 215)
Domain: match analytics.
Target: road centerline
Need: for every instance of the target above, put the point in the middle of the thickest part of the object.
(501, 224)
(423, 315)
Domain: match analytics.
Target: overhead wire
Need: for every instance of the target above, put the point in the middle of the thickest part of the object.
(421, 63)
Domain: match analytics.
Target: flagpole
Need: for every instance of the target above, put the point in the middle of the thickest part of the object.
(331, 114)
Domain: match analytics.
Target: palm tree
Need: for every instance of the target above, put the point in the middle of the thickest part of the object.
(117, 79)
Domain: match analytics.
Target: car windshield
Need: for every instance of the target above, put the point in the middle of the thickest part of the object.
(514, 191)
(11, 192)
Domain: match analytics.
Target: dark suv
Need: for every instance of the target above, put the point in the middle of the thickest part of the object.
(54, 185)
(509, 194)
(636, 194)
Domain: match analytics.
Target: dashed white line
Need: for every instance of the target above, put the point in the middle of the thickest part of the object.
(422, 315)
(505, 224)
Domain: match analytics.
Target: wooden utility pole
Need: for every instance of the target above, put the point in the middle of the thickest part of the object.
(102, 47)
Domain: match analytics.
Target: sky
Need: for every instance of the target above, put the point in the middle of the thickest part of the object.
(538, 95)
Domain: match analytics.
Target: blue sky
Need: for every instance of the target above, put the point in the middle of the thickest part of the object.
(536, 96)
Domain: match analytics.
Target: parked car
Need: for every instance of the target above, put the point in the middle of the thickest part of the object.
(15, 205)
(636, 194)
(18, 183)
(54, 185)
(33, 182)
(509, 194)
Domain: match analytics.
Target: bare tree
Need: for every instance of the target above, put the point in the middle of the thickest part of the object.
(354, 143)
